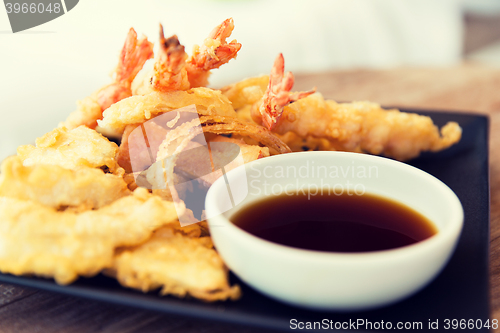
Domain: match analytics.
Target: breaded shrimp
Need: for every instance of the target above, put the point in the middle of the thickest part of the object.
(366, 127)
(277, 95)
(134, 54)
(213, 53)
(358, 126)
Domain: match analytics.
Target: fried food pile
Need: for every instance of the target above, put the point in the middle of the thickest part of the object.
(78, 204)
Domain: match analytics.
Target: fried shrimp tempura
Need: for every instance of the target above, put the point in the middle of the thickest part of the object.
(178, 264)
(366, 127)
(135, 52)
(277, 95)
(51, 185)
(69, 149)
(35, 239)
(357, 127)
(170, 72)
(138, 109)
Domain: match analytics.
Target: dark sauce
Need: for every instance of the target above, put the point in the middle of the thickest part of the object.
(356, 223)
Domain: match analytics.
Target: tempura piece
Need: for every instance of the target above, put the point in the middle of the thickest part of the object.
(51, 185)
(213, 53)
(249, 152)
(194, 230)
(70, 149)
(180, 265)
(197, 163)
(134, 54)
(357, 127)
(133, 144)
(259, 134)
(178, 140)
(366, 127)
(138, 109)
(87, 112)
(123, 155)
(35, 239)
(247, 92)
(161, 174)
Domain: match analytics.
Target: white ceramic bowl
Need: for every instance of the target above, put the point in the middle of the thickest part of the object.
(325, 280)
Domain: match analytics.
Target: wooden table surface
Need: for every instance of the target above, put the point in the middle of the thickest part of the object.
(467, 87)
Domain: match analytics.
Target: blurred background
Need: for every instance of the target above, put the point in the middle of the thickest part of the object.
(44, 70)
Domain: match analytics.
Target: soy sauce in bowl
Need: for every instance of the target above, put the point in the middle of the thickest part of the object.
(334, 223)
(324, 268)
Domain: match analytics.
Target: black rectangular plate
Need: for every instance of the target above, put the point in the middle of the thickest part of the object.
(461, 291)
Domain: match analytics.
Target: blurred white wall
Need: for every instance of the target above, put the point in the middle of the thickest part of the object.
(44, 70)
(318, 35)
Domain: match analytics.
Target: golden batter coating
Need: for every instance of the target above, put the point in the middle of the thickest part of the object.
(51, 185)
(178, 264)
(39, 240)
(69, 149)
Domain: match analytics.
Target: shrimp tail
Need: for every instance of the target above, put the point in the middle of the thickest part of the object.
(277, 95)
(134, 54)
(214, 53)
(170, 72)
(132, 58)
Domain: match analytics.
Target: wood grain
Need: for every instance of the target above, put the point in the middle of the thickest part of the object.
(10, 294)
(467, 87)
(50, 312)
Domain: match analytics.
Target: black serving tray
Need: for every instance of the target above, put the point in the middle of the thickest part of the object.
(461, 291)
